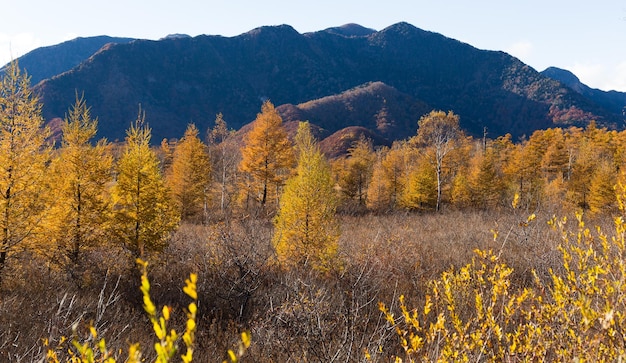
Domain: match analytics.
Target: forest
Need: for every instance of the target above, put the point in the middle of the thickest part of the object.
(222, 246)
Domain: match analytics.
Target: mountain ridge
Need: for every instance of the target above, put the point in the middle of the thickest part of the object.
(49, 61)
(190, 79)
(613, 100)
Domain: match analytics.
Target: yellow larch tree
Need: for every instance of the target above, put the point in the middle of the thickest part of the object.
(80, 174)
(524, 170)
(602, 197)
(306, 230)
(24, 154)
(356, 173)
(142, 208)
(390, 175)
(378, 196)
(556, 162)
(590, 152)
(189, 177)
(225, 155)
(420, 191)
(267, 156)
(486, 181)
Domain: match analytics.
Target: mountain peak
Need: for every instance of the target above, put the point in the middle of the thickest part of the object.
(351, 30)
(280, 30)
(175, 36)
(402, 28)
(562, 75)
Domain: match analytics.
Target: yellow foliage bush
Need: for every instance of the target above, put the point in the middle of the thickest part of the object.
(166, 347)
(475, 313)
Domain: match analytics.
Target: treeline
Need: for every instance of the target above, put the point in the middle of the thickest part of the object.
(567, 169)
(59, 201)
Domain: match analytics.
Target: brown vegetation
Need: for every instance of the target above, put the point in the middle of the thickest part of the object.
(293, 316)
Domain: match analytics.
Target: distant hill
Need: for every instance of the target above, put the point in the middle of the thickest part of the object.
(47, 62)
(382, 109)
(612, 100)
(341, 141)
(178, 80)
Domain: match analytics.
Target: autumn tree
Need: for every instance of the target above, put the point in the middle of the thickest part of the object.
(356, 172)
(23, 158)
(378, 195)
(225, 155)
(390, 176)
(602, 197)
(79, 178)
(486, 180)
(590, 153)
(166, 153)
(143, 212)
(306, 231)
(557, 160)
(525, 172)
(420, 191)
(267, 155)
(189, 177)
(438, 133)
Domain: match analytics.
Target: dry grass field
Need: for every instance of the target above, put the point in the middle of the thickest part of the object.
(293, 316)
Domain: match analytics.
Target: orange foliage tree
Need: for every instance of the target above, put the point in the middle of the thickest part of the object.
(267, 156)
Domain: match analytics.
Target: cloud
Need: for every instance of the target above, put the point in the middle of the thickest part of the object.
(13, 46)
(521, 50)
(618, 78)
(602, 76)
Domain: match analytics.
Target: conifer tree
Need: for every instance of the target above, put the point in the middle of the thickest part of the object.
(390, 176)
(421, 187)
(357, 172)
(588, 155)
(524, 169)
(485, 180)
(267, 156)
(189, 177)
(79, 178)
(23, 158)
(143, 212)
(602, 196)
(306, 229)
(378, 195)
(556, 161)
(225, 156)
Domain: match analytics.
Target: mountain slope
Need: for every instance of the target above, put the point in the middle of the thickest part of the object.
(612, 100)
(375, 106)
(184, 80)
(46, 62)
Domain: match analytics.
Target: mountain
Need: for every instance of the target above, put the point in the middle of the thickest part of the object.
(612, 100)
(47, 62)
(178, 80)
(374, 106)
(351, 30)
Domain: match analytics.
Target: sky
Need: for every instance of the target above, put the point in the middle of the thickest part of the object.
(587, 38)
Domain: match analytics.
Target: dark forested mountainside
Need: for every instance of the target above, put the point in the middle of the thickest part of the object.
(47, 62)
(178, 81)
(613, 101)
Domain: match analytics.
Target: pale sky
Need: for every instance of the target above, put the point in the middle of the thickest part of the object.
(585, 37)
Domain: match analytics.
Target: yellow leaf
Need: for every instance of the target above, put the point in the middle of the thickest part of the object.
(246, 339)
(232, 356)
